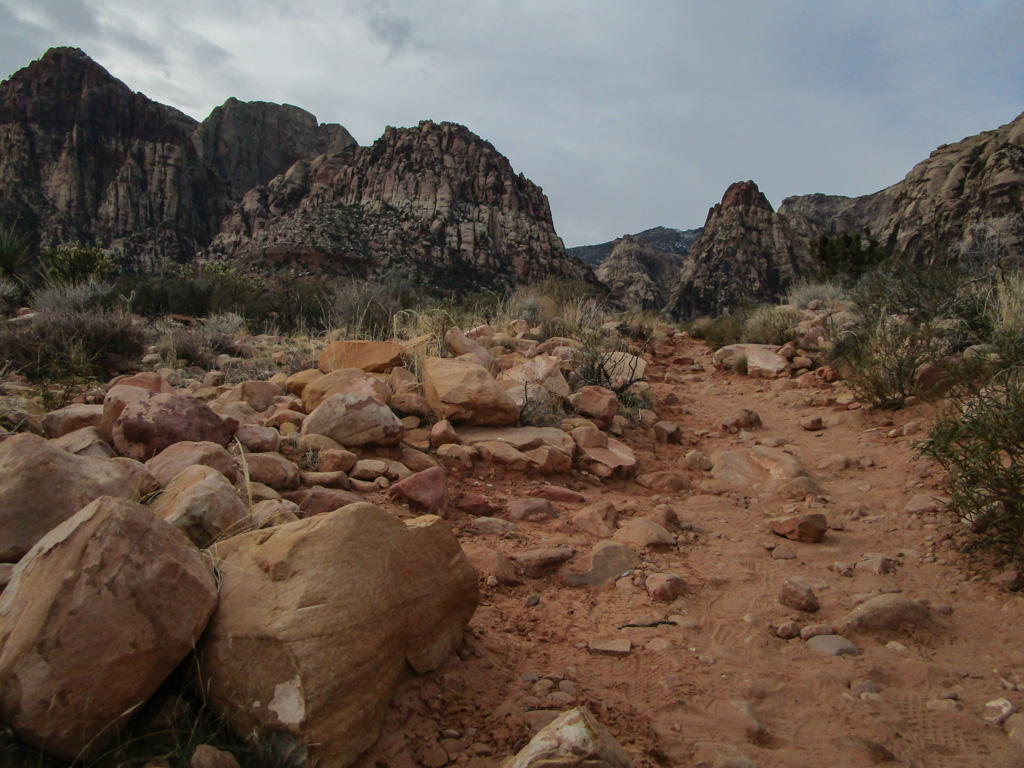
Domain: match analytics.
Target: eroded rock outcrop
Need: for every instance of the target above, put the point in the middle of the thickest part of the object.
(746, 251)
(436, 200)
(639, 274)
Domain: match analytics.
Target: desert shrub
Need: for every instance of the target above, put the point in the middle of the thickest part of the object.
(847, 256)
(222, 328)
(79, 296)
(194, 290)
(77, 263)
(15, 251)
(830, 294)
(979, 441)
(70, 343)
(365, 309)
(720, 331)
(880, 360)
(1006, 315)
(188, 344)
(10, 295)
(573, 319)
(770, 325)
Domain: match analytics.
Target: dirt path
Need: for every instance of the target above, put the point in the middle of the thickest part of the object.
(707, 678)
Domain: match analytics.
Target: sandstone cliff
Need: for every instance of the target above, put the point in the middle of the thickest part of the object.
(932, 210)
(435, 200)
(638, 273)
(84, 158)
(747, 251)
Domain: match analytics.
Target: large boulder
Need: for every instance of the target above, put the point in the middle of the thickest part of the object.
(538, 381)
(76, 416)
(462, 391)
(318, 619)
(171, 462)
(97, 615)
(146, 427)
(370, 356)
(41, 486)
(343, 381)
(202, 504)
(354, 419)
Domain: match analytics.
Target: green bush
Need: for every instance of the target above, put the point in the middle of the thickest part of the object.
(829, 294)
(847, 256)
(880, 360)
(77, 263)
(720, 331)
(15, 251)
(771, 325)
(979, 441)
(88, 294)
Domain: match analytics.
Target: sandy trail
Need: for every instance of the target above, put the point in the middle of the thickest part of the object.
(707, 678)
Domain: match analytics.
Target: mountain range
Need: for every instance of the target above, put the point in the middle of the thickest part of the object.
(83, 158)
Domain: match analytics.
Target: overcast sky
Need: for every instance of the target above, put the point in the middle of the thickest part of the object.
(628, 114)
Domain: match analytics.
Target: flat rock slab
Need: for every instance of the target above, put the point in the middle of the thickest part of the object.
(610, 647)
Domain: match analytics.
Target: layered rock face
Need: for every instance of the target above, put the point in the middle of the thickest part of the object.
(249, 143)
(84, 158)
(746, 251)
(639, 274)
(932, 210)
(435, 199)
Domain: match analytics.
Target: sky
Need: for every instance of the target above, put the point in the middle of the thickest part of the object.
(630, 115)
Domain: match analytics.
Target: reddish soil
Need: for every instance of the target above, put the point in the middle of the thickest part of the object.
(713, 680)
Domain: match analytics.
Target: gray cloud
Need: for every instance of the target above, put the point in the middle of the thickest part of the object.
(629, 115)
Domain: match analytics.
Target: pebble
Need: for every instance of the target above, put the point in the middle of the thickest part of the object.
(798, 596)
(814, 630)
(942, 705)
(532, 601)
(998, 711)
(865, 686)
(782, 552)
(788, 630)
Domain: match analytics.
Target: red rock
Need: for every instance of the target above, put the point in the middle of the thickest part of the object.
(665, 587)
(597, 403)
(271, 469)
(318, 501)
(426, 491)
(809, 528)
(668, 432)
(175, 459)
(442, 433)
(798, 596)
(557, 493)
(531, 510)
(1010, 581)
(70, 418)
(147, 427)
(111, 588)
(478, 506)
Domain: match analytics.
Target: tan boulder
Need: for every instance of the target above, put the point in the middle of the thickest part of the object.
(203, 505)
(370, 356)
(490, 563)
(521, 438)
(258, 439)
(536, 381)
(78, 416)
(344, 381)
(174, 460)
(354, 419)
(41, 486)
(148, 380)
(318, 620)
(763, 362)
(889, 613)
(602, 455)
(596, 403)
(96, 617)
(271, 469)
(461, 391)
(459, 344)
(642, 533)
(297, 382)
(809, 528)
(86, 441)
(258, 395)
(597, 519)
(271, 512)
(608, 560)
(147, 427)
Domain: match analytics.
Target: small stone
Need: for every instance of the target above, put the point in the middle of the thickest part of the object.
(997, 711)
(532, 601)
(815, 630)
(833, 645)
(1010, 581)
(782, 552)
(942, 705)
(610, 647)
(665, 587)
(798, 596)
(668, 432)
(808, 528)
(865, 686)
(788, 630)
(812, 424)
(707, 660)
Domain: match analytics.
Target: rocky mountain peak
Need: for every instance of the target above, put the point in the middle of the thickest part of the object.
(742, 194)
(747, 251)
